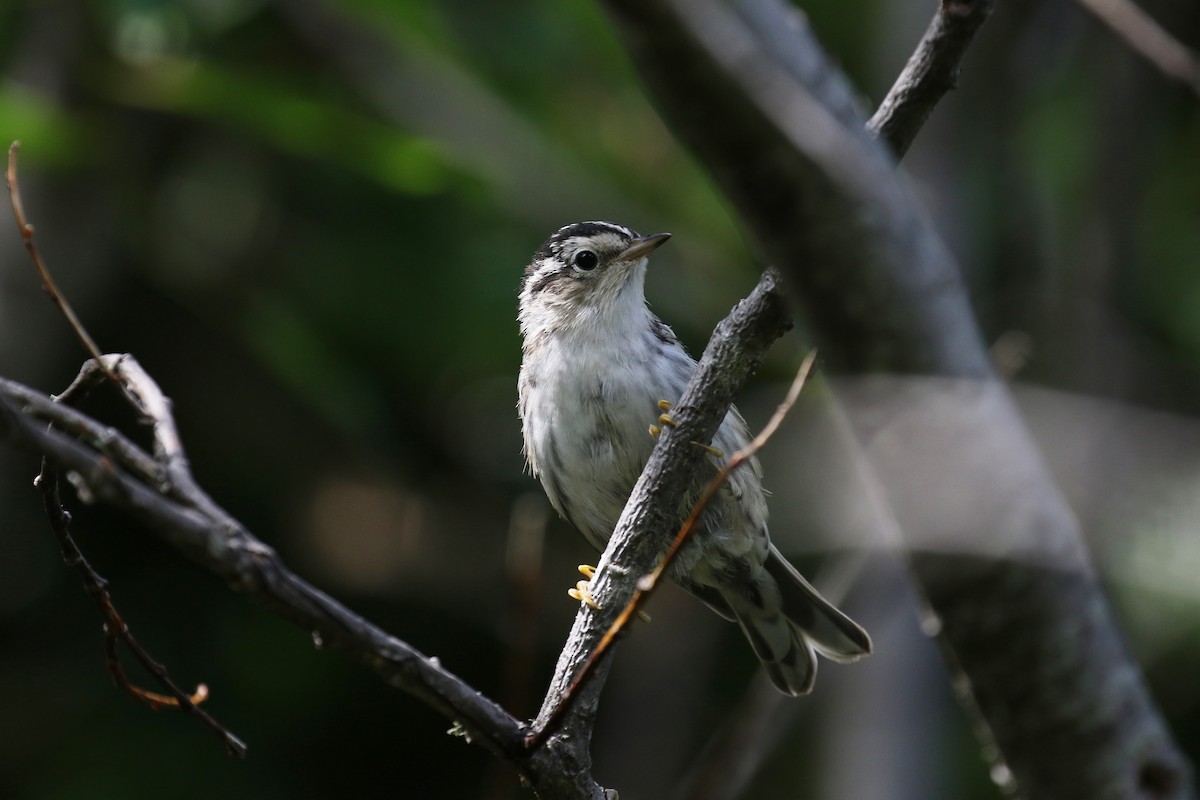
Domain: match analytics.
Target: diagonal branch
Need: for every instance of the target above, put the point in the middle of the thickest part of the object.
(112, 469)
(931, 71)
(749, 90)
(116, 631)
(26, 231)
(1017, 602)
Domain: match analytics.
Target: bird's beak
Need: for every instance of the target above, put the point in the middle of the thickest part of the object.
(642, 247)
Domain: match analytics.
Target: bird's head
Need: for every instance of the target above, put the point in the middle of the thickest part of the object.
(585, 272)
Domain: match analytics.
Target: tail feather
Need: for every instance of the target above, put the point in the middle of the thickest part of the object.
(787, 623)
(785, 655)
(832, 633)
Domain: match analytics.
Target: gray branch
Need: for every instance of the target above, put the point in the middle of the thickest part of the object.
(929, 74)
(1021, 614)
(160, 492)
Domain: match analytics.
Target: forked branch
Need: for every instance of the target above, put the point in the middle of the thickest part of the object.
(116, 631)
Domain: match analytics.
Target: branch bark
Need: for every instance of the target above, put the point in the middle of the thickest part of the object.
(1020, 610)
(161, 494)
(931, 71)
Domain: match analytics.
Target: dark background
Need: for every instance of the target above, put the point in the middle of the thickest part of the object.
(308, 220)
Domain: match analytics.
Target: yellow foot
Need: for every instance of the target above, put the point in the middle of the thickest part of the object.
(583, 590)
(663, 418)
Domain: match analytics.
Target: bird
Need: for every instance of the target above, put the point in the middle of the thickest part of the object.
(598, 365)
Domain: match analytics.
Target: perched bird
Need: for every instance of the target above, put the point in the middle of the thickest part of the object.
(596, 366)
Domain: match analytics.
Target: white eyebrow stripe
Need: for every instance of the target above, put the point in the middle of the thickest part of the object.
(621, 229)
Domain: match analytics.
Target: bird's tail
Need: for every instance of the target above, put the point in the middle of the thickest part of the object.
(787, 621)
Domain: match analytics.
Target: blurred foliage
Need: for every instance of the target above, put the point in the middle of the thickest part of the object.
(308, 219)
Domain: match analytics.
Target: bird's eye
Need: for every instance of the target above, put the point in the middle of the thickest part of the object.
(585, 260)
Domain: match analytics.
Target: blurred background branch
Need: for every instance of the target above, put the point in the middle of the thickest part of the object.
(1146, 37)
(1024, 622)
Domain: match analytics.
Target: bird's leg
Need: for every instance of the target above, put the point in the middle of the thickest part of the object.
(583, 590)
(666, 419)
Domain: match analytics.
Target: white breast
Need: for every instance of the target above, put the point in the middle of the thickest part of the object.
(587, 403)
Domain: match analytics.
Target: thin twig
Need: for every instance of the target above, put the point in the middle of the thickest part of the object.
(222, 545)
(116, 631)
(931, 71)
(648, 583)
(1148, 39)
(48, 284)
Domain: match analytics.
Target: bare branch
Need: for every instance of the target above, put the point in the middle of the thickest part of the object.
(750, 91)
(116, 631)
(931, 71)
(747, 87)
(191, 523)
(48, 284)
(172, 469)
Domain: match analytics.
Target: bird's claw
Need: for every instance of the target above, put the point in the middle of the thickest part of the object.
(583, 590)
(663, 418)
(666, 419)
